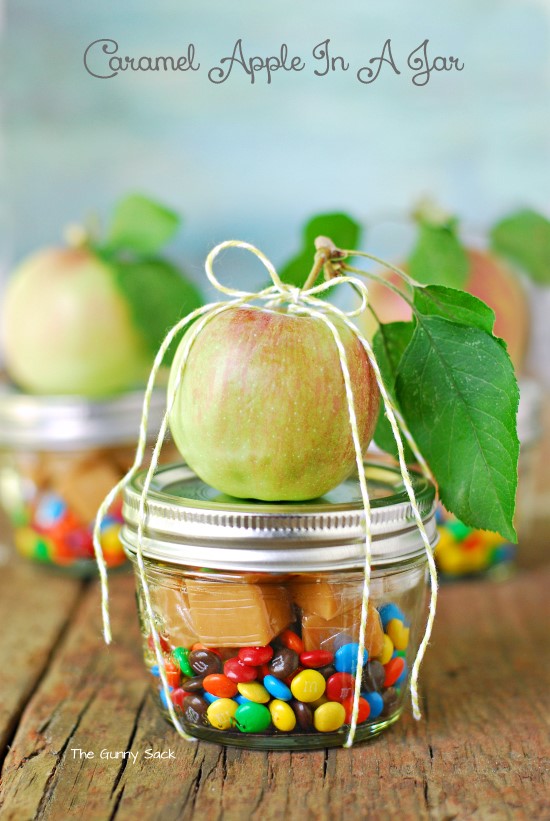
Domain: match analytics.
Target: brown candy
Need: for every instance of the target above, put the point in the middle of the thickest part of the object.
(303, 713)
(390, 698)
(205, 662)
(327, 634)
(192, 685)
(194, 709)
(284, 663)
(373, 676)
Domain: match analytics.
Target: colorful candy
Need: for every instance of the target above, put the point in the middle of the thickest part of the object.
(277, 688)
(239, 672)
(221, 713)
(329, 717)
(254, 691)
(256, 656)
(219, 685)
(282, 716)
(464, 551)
(252, 718)
(345, 658)
(280, 688)
(284, 663)
(309, 685)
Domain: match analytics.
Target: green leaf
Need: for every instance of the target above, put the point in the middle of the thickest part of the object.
(389, 344)
(524, 237)
(342, 230)
(457, 389)
(141, 225)
(438, 257)
(458, 306)
(158, 296)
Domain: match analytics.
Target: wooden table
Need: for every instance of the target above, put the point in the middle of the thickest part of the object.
(479, 753)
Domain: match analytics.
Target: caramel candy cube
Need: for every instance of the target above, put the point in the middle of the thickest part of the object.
(85, 484)
(230, 614)
(324, 596)
(322, 634)
(171, 606)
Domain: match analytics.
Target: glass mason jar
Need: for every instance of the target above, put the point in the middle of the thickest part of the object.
(59, 457)
(463, 551)
(258, 606)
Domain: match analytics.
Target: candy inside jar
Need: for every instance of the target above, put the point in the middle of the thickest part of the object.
(466, 552)
(258, 607)
(59, 457)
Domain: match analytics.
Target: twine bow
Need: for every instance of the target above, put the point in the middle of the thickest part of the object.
(304, 301)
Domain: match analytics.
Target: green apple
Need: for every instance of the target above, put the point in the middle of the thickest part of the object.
(261, 409)
(67, 329)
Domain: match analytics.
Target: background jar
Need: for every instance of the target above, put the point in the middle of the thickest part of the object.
(467, 552)
(59, 457)
(258, 607)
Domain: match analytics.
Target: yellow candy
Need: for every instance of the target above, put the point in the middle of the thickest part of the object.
(221, 712)
(329, 717)
(282, 715)
(387, 652)
(319, 701)
(110, 541)
(398, 633)
(309, 685)
(254, 691)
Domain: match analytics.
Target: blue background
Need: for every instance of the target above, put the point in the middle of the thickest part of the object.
(253, 161)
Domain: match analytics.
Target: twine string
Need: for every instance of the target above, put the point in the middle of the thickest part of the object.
(301, 301)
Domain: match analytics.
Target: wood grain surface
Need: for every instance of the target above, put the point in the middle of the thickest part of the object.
(481, 751)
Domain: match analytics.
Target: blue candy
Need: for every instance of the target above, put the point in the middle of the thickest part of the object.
(376, 703)
(155, 670)
(345, 658)
(242, 700)
(277, 688)
(209, 697)
(390, 611)
(163, 697)
(50, 511)
(403, 677)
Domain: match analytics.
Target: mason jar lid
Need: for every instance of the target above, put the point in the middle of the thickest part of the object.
(529, 411)
(189, 523)
(33, 422)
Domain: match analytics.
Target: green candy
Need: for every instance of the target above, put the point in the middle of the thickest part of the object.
(41, 551)
(459, 530)
(181, 657)
(252, 718)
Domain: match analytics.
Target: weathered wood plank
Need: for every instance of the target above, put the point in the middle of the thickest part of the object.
(35, 608)
(480, 752)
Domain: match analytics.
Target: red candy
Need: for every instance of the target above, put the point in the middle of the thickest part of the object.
(239, 672)
(164, 646)
(219, 685)
(292, 641)
(199, 646)
(177, 697)
(340, 686)
(316, 658)
(363, 712)
(263, 671)
(393, 668)
(255, 656)
(173, 674)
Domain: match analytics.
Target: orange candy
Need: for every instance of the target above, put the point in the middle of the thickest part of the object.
(292, 641)
(220, 686)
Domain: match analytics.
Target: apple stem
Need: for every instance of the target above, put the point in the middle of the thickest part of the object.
(320, 260)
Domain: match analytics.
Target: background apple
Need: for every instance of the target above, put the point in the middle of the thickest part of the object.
(490, 280)
(261, 410)
(67, 329)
